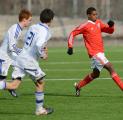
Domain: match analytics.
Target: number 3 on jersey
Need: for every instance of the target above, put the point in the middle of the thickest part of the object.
(29, 38)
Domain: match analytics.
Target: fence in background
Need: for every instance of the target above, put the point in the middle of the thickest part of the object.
(69, 13)
(66, 8)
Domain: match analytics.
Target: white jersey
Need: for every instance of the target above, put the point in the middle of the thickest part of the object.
(27, 62)
(8, 46)
(8, 49)
(35, 40)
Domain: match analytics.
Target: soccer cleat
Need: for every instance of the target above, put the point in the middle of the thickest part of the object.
(13, 93)
(44, 111)
(77, 89)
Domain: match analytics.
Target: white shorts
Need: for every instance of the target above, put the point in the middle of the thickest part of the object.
(98, 61)
(5, 62)
(29, 66)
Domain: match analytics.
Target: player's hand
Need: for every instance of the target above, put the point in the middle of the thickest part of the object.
(45, 53)
(110, 23)
(70, 51)
(46, 50)
(45, 57)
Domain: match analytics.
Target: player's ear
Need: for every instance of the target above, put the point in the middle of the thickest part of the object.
(88, 15)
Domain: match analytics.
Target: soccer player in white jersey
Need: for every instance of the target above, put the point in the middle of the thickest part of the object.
(8, 48)
(34, 48)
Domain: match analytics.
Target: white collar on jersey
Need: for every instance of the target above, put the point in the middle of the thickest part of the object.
(91, 21)
(44, 25)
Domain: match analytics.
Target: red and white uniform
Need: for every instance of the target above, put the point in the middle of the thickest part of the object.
(92, 36)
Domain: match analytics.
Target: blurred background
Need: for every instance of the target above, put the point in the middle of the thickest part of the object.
(69, 14)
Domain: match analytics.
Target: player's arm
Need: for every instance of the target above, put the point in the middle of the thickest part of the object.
(107, 28)
(12, 43)
(41, 45)
(71, 37)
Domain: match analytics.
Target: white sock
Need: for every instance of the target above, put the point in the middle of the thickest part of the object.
(2, 84)
(39, 99)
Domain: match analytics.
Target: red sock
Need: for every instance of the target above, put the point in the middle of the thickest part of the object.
(117, 80)
(85, 81)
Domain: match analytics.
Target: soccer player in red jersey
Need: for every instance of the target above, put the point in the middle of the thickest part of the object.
(91, 31)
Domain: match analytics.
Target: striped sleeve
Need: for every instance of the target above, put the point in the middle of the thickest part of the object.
(78, 30)
(13, 35)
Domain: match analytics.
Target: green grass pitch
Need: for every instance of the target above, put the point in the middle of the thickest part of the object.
(100, 100)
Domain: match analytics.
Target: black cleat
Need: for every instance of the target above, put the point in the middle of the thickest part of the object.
(13, 93)
(77, 89)
(44, 111)
(49, 110)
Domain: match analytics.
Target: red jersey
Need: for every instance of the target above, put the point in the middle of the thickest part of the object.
(92, 35)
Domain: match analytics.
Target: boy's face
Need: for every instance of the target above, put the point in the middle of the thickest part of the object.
(27, 22)
(92, 16)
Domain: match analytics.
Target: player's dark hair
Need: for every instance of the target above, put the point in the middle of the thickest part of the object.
(24, 14)
(46, 15)
(90, 10)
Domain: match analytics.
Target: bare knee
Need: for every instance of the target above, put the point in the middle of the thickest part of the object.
(39, 85)
(109, 68)
(95, 73)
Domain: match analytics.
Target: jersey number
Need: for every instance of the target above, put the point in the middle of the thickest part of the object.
(30, 39)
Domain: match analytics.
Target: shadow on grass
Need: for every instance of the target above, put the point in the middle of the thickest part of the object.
(48, 94)
(101, 96)
(7, 98)
(15, 113)
(72, 95)
(84, 96)
(65, 95)
(59, 94)
(26, 94)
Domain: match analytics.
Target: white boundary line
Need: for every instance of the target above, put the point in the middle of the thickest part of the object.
(77, 62)
(64, 79)
(72, 79)
(58, 70)
(72, 70)
(83, 50)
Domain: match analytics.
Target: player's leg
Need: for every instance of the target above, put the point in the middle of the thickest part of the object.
(10, 85)
(114, 75)
(17, 76)
(4, 66)
(2, 82)
(89, 78)
(98, 62)
(13, 91)
(39, 94)
(13, 84)
(86, 80)
(38, 76)
(16, 80)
